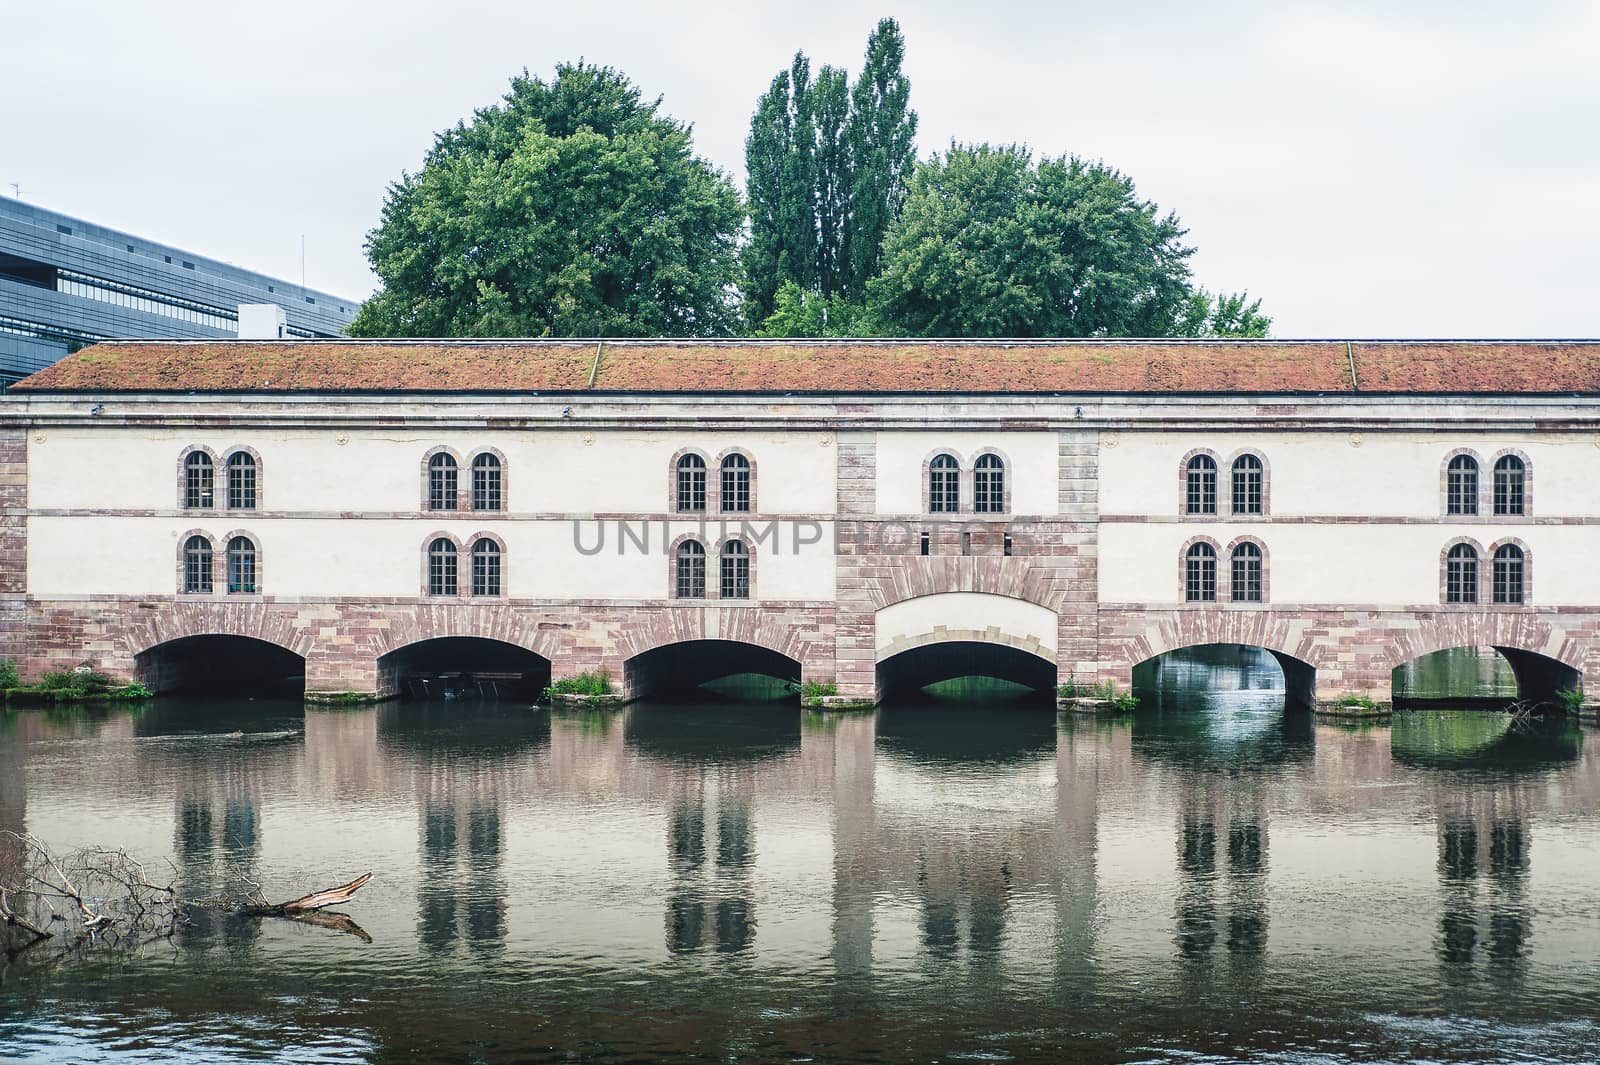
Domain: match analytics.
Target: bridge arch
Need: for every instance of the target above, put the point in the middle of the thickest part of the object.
(221, 664)
(452, 666)
(1299, 676)
(1544, 659)
(927, 639)
(681, 668)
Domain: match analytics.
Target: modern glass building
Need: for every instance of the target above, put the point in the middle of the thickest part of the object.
(65, 283)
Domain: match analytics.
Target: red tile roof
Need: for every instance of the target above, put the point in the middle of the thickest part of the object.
(858, 366)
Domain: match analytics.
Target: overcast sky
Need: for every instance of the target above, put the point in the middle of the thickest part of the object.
(1369, 169)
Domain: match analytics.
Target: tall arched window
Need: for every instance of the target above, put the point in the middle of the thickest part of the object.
(944, 485)
(241, 565)
(1461, 485)
(241, 481)
(197, 566)
(197, 480)
(735, 484)
(1200, 485)
(1508, 574)
(442, 567)
(989, 485)
(1248, 485)
(486, 482)
(1200, 573)
(442, 482)
(691, 570)
(735, 570)
(1461, 574)
(1510, 482)
(1246, 583)
(691, 484)
(485, 567)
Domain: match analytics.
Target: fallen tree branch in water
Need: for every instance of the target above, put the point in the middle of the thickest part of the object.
(102, 897)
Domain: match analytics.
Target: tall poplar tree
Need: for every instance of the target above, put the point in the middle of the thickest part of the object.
(881, 134)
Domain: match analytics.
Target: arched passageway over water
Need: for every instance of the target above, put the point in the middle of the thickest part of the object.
(1482, 678)
(450, 667)
(986, 669)
(222, 665)
(1225, 667)
(691, 669)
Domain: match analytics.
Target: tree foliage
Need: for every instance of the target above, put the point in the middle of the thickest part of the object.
(827, 167)
(991, 243)
(571, 208)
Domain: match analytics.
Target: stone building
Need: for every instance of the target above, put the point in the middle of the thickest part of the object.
(874, 514)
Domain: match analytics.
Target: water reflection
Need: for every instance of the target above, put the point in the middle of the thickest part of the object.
(1214, 875)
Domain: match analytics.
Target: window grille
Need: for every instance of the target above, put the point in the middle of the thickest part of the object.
(989, 485)
(441, 567)
(1510, 480)
(241, 565)
(1461, 573)
(485, 568)
(1200, 574)
(197, 480)
(197, 566)
(241, 481)
(691, 570)
(1247, 485)
(735, 483)
(1461, 485)
(735, 570)
(1508, 574)
(944, 485)
(486, 482)
(442, 482)
(1200, 495)
(1246, 584)
(691, 484)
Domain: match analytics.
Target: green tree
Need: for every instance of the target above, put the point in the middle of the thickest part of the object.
(881, 134)
(571, 208)
(780, 154)
(801, 312)
(991, 244)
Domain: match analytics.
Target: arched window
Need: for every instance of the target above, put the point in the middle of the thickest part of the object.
(735, 570)
(1247, 485)
(1461, 573)
(442, 482)
(1200, 485)
(441, 567)
(1508, 573)
(197, 480)
(241, 565)
(1246, 583)
(1461, 486)
(1510, 480)
(241, 481)
(989, 485)
(1200, 574)
(197, 566)
(736, 483)
(944, 485)
(691, 484)
(485, 567)
(486, 482)
(691, 572)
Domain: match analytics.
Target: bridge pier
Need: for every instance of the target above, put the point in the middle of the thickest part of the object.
(1346, 696)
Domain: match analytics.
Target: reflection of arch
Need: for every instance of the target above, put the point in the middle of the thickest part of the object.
(478, 666)
(680, 667)
(221, 663)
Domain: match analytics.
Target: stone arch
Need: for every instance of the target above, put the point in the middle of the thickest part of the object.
(182, 562)
(989, 574)
(249, 617)
(1225, 579)
(716, 471)
(1183, 481)
(1514, 629)
(1008, 480)
(713, 474)
(461, 559)
(183, 476)
(486, 665)
(1183, 570)
(1527, 571)
(225, 473)
(1444, 572)
(468, 471)
(963, 487)
(1444, 481)
(465, 555)
(462, 475)
(677, 667)
(222, 545)
(965, 617)
(235, 663)
(1266, 483)
(1527, 481)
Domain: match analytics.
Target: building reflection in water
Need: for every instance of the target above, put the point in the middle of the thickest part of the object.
(1483, 873)
(710, 904)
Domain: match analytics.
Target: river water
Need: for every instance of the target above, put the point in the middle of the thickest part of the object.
(1213, 879)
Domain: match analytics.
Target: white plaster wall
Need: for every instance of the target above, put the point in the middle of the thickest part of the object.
(1032, 467)
(1395, 565)
(69, 556)
(1019, 618)
(548, 471)
(1319, 473)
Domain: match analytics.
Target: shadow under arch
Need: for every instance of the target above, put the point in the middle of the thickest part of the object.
(947, 734)
(1224, 707)
(221, 664)
(454, 667)
(680, 670)
(1466, 676)
(904, 676)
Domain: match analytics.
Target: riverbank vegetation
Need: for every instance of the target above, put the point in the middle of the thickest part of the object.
(79, 685)
(1102, 697)
(584, 689)
(576, 207)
